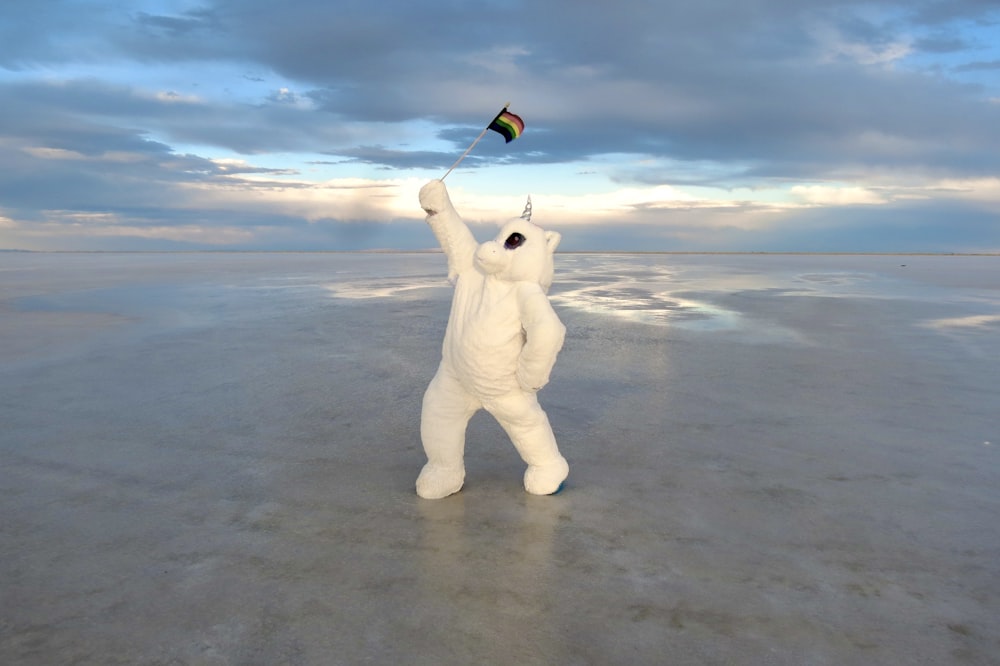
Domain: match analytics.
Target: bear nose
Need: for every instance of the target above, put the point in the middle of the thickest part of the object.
(490, 257)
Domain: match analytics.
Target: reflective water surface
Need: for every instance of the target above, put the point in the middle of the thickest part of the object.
(209, 459)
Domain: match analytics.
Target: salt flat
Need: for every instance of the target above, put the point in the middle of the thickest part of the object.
(209, 459)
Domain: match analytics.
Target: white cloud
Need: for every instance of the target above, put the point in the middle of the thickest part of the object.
(835, 46)
(44, 153)
(62, 154)
(72, 225)
(172, 97)
(971, 321)
(833, 195)
(972, 189)
(340, 199)
(498, 60)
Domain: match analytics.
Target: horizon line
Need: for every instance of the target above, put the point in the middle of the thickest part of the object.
(618, 252)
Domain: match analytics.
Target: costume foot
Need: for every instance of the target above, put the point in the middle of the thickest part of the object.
(546, 479)
(436, 482)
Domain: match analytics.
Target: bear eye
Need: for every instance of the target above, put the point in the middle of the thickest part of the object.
(515, 240)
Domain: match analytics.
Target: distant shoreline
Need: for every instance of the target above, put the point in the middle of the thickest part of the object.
(602, 252)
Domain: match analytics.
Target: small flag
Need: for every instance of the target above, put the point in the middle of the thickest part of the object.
(508, 125)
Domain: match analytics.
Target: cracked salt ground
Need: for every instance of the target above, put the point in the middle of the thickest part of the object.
(632, 300)
(660, 296)
(209, 459)
(379, 288)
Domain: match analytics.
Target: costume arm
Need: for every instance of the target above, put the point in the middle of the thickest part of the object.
(544, 335)
(454, 236)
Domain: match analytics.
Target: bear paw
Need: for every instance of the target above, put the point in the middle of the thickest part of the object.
(436, 481)
(546, 479)
(434, 197)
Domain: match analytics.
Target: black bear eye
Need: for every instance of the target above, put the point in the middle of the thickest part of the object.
(513, 241)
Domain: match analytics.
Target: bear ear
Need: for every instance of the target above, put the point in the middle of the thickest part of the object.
(552, 239)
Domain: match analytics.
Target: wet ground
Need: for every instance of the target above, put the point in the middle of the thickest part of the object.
(209, 459)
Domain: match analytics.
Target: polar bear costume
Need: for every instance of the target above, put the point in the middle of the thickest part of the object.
(499, 348)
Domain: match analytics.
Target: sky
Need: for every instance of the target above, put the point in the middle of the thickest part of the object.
(651, 125)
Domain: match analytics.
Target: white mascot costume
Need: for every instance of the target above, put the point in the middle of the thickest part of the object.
(501, 343)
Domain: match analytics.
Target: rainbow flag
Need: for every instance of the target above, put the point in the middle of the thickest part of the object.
(508, 125)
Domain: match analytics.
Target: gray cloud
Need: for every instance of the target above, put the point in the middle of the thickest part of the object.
(979, 66)
(764, 90)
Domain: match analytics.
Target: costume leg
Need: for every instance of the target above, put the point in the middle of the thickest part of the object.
(528, 428)
(446, 412)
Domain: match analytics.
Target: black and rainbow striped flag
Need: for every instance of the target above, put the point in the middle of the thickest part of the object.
(507, 125)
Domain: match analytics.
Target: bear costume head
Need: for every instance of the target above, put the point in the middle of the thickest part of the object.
(521, 252)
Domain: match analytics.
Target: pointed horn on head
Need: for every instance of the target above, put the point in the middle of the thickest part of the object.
(526, 215)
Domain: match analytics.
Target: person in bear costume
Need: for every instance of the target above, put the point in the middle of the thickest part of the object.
(499, 348)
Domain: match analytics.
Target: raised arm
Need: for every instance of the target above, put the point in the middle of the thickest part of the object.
(544, 335)
(453, 235)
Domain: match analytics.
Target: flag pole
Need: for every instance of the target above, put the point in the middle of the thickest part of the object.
(473, 144)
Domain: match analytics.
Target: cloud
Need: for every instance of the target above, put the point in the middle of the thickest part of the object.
(979, 66)
(231, 117)
(825, 195)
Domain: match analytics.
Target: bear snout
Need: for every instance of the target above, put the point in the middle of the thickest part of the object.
(491, 257)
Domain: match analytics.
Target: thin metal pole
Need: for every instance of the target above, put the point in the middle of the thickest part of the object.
(473, 144)
(467, 150)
